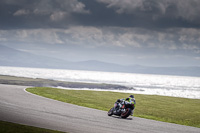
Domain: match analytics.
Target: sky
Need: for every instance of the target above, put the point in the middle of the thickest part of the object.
(126, 32)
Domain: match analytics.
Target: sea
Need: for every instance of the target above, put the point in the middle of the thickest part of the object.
(165, 85)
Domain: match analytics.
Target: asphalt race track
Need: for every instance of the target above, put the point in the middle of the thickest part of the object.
(19, 106)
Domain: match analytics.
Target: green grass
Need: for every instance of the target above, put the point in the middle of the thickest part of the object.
(8, 127)
(162, 108)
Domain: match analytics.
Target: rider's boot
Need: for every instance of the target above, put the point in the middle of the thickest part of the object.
(132, 112)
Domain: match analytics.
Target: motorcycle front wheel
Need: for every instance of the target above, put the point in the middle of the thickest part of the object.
(110, 112)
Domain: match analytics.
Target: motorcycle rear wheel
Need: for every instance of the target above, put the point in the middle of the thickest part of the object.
(126, 113)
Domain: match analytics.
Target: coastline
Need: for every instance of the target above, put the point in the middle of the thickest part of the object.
(39, 82)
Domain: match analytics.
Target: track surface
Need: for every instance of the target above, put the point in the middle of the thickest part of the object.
(22, 107)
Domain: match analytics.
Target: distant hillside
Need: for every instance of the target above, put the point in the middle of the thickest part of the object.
(13, 57)
(102, 66)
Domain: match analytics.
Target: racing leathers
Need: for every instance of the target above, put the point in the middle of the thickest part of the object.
(129, 100)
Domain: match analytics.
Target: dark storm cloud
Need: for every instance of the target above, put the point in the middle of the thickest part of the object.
(39, 14)
(121, 13)
(159, 12)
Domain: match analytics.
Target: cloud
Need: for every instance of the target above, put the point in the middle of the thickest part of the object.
(149, 14)
(21, 12)
(197, 58)
(55, 9)
(57, 16)
(105, 37)
(33, 36)
(59, 6)
(187, 9)
(129, 6)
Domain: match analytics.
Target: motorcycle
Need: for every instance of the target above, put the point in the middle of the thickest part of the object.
(123, 111)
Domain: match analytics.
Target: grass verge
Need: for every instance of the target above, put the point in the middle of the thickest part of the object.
(162, 108)
(8, 127)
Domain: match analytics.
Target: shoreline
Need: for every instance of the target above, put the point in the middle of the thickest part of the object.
(39, 82)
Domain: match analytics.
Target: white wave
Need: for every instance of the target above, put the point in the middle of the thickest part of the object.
(178, 86)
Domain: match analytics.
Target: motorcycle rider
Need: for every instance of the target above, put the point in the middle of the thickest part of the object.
(130, 99)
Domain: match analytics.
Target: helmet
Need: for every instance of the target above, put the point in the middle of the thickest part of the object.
(131, 96)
